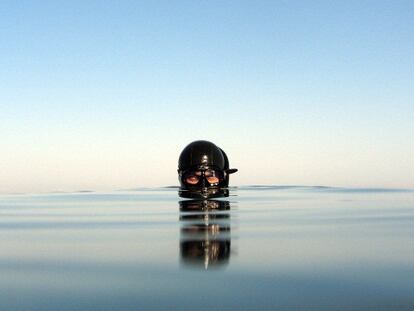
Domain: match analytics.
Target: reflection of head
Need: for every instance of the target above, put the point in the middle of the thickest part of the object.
(205, 253)
(203, 170)
(205, 232)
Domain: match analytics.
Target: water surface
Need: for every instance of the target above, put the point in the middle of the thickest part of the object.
(264, 247)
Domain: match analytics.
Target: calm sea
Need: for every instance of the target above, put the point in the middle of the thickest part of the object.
(264, 248)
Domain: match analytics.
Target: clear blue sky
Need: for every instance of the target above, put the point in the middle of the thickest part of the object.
(104, 94)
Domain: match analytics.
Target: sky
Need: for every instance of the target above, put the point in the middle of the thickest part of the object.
(104, 95)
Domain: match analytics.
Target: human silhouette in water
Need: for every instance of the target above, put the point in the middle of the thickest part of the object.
(203, 171)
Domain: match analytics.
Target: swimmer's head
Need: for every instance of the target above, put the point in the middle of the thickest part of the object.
(203, 168)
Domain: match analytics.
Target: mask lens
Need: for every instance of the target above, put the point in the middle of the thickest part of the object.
(192, 178)
(213, 177)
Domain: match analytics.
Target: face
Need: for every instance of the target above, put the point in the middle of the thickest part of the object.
(213, 177)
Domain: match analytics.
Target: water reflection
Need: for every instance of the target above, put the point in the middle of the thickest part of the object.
(205, 233)
(204, 193)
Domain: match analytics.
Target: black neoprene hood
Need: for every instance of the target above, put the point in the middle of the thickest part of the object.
(203, 155)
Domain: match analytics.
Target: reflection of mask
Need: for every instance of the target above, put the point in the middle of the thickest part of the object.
(203, 167)
(203, 205)
(205, 232)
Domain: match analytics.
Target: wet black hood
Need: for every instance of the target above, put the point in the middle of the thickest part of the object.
(203, 155)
